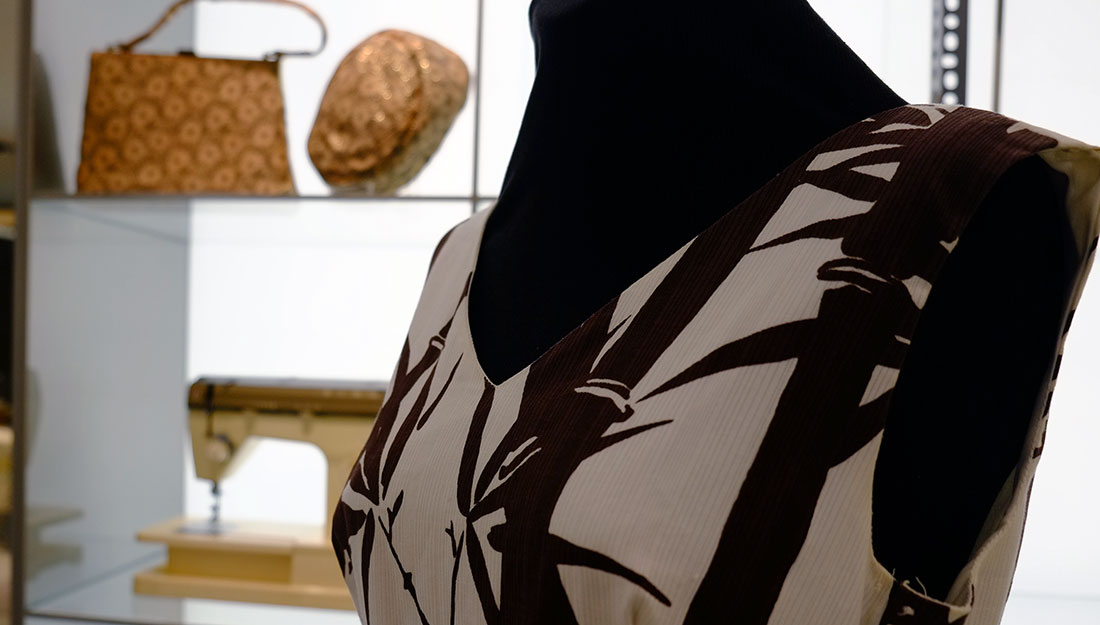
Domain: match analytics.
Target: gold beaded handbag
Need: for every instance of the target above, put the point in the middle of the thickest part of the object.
(185, 124)
(386, 110)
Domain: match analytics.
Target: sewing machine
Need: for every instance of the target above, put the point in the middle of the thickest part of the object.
(262, 562)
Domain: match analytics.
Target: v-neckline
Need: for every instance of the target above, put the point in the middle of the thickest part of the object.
(486, 213)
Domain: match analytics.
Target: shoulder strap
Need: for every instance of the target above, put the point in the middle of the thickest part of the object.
(172, 10)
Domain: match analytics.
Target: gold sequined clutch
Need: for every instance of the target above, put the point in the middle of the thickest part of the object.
(185, 124)
(386, 110)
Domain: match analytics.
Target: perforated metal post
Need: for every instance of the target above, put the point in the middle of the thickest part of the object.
(475, 196)
(998, 55)
(949, 20)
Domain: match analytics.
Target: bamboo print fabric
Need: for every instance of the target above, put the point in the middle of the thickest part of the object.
(701, 449)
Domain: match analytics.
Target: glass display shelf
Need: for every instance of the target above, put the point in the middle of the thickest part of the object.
(110, 599)
(168, 198)
(192, 220)
(66, 34)
(130, 297)
(128, 302)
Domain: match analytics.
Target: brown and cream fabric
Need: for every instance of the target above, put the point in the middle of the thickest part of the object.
(701, 449)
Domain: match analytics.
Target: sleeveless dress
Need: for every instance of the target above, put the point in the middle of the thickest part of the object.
(701, 449)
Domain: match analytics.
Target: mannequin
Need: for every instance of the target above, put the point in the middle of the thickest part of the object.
(629, 148)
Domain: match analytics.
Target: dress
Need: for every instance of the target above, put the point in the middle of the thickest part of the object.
(701, 449)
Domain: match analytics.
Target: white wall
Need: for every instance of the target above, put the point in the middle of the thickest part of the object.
(1051, 73)
(894, 38)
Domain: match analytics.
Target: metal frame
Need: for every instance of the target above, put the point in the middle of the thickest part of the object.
(475, 199)
(998, 55)
(949, 47)
(24, 191)
(24, 151)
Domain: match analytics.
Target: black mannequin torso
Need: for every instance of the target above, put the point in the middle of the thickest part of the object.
(629, 147)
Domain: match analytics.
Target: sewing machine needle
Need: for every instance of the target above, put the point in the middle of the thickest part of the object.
(215, 508)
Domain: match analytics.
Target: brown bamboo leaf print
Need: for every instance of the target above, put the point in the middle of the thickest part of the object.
(465, 505)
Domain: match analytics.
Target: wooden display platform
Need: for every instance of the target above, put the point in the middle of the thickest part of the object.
(255, 562)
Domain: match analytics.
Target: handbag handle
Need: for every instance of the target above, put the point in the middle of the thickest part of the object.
(172, 10)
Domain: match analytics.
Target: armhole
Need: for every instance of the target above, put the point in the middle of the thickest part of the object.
(981, 589)
(996, 552)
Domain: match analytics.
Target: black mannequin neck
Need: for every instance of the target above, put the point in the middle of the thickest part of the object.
(645, 124)
(636, 106)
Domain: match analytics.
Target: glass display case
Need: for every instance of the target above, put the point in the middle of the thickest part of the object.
(133, 297)
(130, 299)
